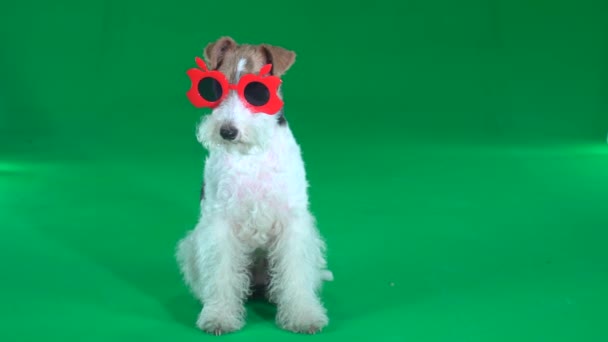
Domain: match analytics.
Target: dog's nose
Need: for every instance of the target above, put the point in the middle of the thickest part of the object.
(228, 132)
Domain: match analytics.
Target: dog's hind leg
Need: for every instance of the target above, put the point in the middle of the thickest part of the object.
(260, 276)
(185, 256)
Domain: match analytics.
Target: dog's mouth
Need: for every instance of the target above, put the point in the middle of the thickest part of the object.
(237, 140)
(237, 145)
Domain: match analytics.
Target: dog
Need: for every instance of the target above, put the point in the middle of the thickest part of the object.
(255, 228)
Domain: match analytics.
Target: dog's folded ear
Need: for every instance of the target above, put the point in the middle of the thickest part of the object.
(280, 58)
(215, 52)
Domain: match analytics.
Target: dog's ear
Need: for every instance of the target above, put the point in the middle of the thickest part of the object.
(280, 58)
(216, 51)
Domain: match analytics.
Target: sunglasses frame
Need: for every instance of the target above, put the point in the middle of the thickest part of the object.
(271, 82)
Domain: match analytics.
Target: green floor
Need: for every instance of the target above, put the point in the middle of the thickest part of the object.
(457, 158)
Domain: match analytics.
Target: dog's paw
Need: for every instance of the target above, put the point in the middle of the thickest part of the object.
(309, 319)
(218, 322)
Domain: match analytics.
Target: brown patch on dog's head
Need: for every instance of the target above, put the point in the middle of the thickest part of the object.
(235, 60)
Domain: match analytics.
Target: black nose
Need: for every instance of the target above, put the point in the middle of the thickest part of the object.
(228, 132)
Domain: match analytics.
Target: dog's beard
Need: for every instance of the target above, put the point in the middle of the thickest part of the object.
(255, 135)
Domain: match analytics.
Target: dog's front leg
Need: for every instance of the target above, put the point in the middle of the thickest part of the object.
(222, 261)
(297, 261)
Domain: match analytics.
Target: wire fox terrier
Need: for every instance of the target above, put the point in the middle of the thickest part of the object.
(255, 228)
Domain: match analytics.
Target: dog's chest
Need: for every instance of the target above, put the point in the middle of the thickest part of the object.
(252, 190)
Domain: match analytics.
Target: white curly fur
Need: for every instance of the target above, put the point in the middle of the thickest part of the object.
(255, 227)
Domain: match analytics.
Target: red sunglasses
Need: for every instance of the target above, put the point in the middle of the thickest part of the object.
(258, 92)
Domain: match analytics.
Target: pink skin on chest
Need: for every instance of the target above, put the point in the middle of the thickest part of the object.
(256, 182)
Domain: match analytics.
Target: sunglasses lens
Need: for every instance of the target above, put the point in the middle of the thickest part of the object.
(210, 89)
(257, 94)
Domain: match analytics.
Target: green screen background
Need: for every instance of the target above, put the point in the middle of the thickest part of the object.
(456, 152)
